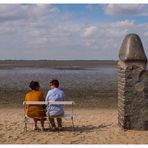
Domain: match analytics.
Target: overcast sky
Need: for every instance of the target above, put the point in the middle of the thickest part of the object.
(69, 32)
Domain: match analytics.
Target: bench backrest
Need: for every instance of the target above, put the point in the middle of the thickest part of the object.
(47, 102)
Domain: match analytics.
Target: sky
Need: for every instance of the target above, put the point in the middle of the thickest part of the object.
(69, 31)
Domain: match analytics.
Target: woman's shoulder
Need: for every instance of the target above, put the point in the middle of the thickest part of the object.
(28, 93)
(61, 91)
(50, 92)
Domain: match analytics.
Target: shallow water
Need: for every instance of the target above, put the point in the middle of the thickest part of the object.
(19, 78)
(86, 86)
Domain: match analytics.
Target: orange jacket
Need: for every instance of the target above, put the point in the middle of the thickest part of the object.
(35, 111)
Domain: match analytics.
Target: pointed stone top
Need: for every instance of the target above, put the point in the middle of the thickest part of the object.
(132, 49)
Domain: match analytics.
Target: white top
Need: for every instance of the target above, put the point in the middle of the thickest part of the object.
(54, 95)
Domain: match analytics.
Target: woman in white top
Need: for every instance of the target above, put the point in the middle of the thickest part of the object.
(55, 94)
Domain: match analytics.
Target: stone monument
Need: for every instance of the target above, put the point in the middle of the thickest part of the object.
(132, 85)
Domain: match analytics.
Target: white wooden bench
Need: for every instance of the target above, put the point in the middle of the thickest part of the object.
(66, 115)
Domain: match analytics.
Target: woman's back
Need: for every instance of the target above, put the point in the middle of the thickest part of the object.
(34, 110)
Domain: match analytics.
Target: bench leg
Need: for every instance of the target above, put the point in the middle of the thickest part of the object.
(25, 127)
(72, 123)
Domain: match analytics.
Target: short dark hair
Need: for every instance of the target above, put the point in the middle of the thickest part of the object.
(34, 84)
(55, 83)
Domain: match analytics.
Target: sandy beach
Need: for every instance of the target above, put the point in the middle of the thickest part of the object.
(93, 89)
(92, 126)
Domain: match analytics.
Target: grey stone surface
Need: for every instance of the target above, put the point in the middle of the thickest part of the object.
(132, 85)
(132, 49)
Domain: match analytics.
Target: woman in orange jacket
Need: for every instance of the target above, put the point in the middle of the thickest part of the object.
(36, 112)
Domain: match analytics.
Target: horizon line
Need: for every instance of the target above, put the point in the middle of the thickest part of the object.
(51, 60)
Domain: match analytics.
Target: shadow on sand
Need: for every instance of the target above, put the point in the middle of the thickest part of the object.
(90, 128)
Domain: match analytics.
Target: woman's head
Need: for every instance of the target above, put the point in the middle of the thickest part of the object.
(34, 85)
(54, 84)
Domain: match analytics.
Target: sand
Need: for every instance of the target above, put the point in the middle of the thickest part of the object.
(92, 126)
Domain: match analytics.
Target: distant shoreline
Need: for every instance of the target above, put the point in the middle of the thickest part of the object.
(57, 63)
(101, 61)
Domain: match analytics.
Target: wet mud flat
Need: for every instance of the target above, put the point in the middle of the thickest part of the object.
(88, 83)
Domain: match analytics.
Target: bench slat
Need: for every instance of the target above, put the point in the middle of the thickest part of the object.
(35, 103)
(47, 102)
(62, 102)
